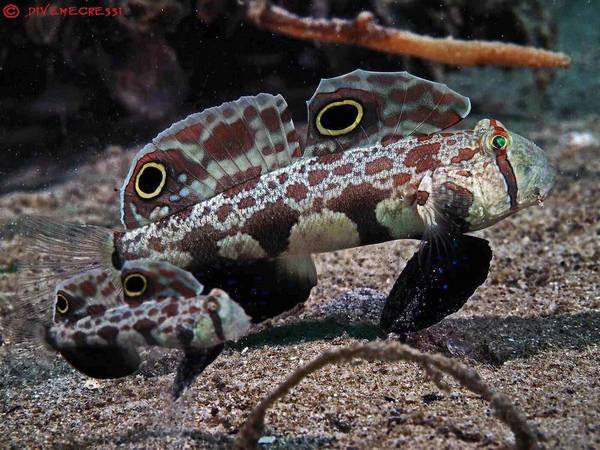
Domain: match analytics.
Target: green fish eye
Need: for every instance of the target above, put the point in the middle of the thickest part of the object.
(499, 142)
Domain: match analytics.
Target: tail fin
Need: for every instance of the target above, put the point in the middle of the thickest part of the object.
(50, 253)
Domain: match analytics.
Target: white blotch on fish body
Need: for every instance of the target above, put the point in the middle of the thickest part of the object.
(399, 218)
(322, 232)
(240, 246)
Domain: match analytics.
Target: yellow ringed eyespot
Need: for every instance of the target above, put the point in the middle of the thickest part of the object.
(135, 285)
(338, 118)
(150, 180)
(62, 303)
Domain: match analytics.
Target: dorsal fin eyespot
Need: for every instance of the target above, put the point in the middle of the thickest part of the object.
(150, 180)
(62, 303)
(396, 105)
(339, 118)
(208, 153)
(134, 285)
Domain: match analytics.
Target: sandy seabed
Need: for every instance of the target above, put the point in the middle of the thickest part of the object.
(532, 331)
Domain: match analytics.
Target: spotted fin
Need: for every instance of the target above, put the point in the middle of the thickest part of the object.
(206, 154)
(147, 279)
(87, 294)
(364, 108)
(91, 293)
(173, 322)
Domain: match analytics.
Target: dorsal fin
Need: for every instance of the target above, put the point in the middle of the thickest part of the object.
(91, 293)
(157, 279)
(207, 153)
(365, 108)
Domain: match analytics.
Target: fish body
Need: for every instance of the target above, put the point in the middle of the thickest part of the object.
(358, 197)
(153, 304)
(318, 204)
(202, 321)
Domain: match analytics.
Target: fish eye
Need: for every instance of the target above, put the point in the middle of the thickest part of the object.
(499, 142)
(62, 303)
(135, 285)
(150, 180)
(212, 305)
(339, 118)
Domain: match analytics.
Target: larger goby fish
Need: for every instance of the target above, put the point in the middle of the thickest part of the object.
(232, 195)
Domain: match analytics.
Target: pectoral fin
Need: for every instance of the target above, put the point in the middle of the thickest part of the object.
(426, 293)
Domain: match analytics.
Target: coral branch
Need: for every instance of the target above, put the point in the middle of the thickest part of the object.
(434, 365)
(363, 31)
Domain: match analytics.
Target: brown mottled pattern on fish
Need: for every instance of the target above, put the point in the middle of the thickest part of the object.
(235, 188)
(358, 197)
(172, 322)
(95, 284)
(318, 204)
(166, 309)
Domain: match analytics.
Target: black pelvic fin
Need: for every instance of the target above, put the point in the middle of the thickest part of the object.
(426, 293)
(193, 364)
(103, 361)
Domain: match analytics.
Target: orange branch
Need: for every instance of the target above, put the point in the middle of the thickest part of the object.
(364, 32)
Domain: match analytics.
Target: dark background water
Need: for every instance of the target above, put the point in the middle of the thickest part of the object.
(71, 86)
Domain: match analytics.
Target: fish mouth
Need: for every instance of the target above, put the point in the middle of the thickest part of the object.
(544, 187)
(539, 196)
(540, 199)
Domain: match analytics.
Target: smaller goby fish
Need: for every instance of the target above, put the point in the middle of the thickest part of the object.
(184, 323)
(97, 326)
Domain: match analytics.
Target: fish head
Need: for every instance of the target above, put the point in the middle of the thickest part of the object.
(85, 294)
(224, 318)
(534, 174)
(509, 174)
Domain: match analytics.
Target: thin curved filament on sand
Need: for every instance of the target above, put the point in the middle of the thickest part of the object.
(435, 366)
